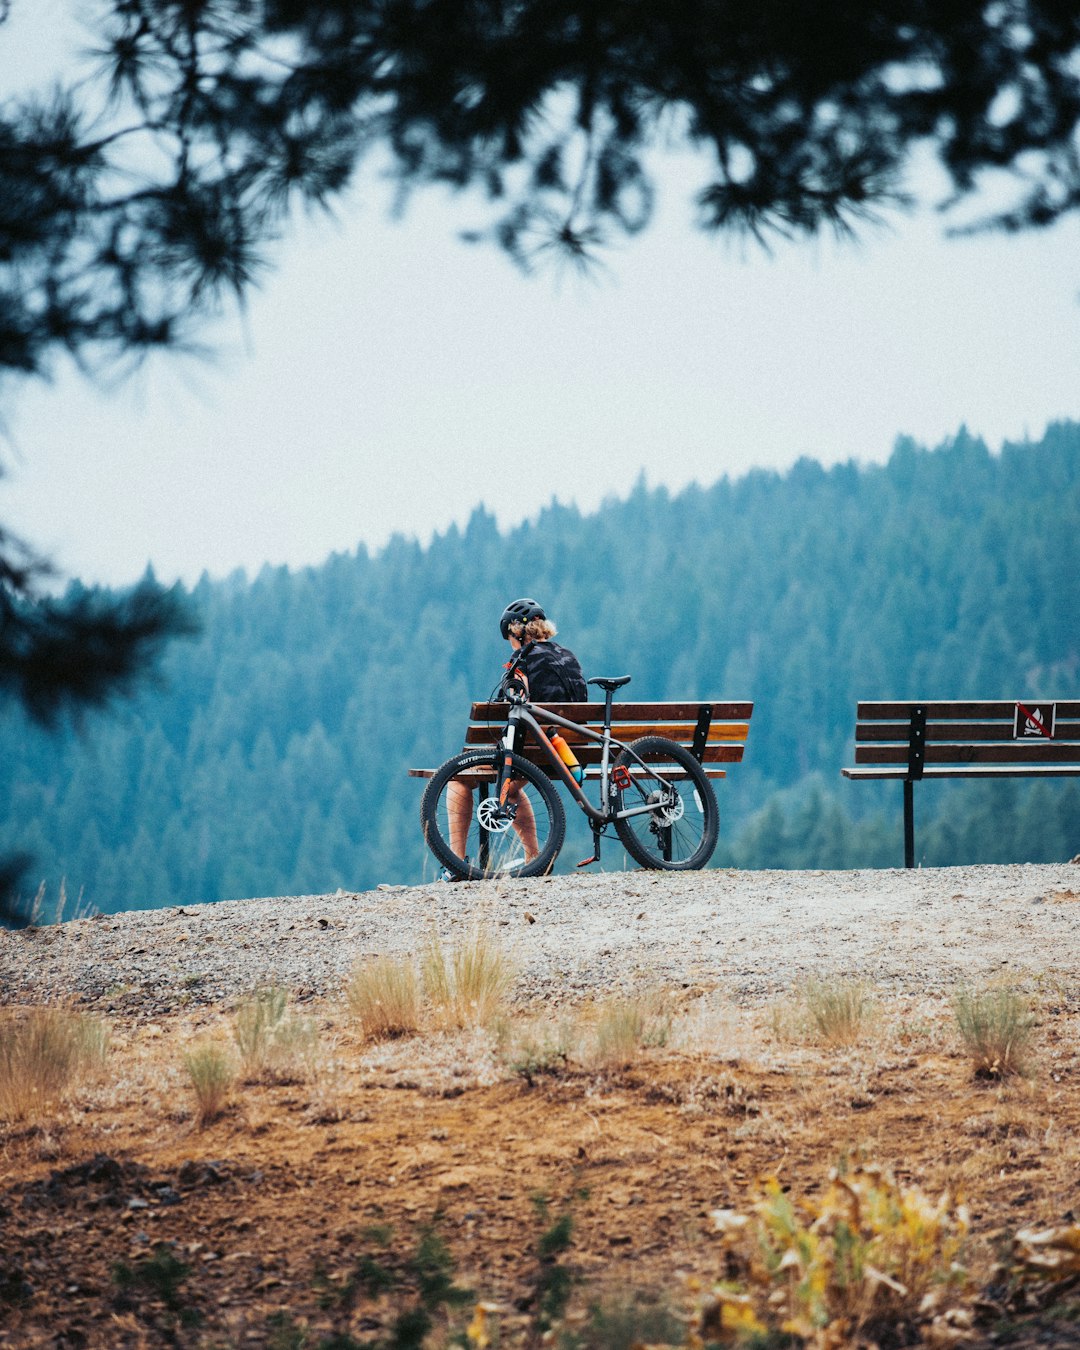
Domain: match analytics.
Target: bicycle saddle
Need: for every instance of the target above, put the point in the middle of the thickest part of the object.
(610, 682)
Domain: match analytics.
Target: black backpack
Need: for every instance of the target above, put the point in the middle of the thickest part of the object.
(555, 675)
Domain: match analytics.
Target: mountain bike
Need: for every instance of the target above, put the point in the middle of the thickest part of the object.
(653, 792)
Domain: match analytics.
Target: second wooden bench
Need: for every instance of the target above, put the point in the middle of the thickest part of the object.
(990, 738)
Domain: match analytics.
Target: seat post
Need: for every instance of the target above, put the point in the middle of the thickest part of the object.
(609, 686)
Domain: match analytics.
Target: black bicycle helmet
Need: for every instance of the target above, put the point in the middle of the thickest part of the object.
(520, 611)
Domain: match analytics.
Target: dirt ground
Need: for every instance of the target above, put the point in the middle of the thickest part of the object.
(335, 1206)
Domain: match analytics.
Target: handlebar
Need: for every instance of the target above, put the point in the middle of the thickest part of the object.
(512, 687)
(513, 691)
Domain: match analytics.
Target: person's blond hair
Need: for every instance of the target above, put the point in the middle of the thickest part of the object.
(536, 630)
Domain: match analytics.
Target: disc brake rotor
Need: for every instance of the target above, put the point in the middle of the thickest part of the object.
(667, 812)
(493, 817)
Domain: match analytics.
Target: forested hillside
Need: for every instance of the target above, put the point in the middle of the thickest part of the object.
(272, 760)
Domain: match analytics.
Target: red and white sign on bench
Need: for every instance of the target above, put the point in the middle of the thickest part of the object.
(1036, 719)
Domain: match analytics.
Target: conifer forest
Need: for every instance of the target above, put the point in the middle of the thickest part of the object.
(271, 757)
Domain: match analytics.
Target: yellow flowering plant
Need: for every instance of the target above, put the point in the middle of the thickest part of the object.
(867, 1251)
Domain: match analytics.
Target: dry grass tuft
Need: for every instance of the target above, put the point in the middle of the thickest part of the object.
(209, 1067)
(787, 1021)
(384, 997)
(831, 1012)
(837, 1011)
(627, 1025)
(468, 986)
(273, 1040)
(996, 1027)
(45, 1053)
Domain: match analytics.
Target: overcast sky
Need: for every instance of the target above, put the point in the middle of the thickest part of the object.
(388, 378)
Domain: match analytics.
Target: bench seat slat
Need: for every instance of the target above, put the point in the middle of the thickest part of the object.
(972, 771)
(1010, 752)
(590, 773)
(591, 754)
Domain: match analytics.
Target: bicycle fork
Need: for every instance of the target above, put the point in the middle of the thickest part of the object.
(506, 746)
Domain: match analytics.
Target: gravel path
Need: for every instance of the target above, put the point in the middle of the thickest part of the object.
(749, 934)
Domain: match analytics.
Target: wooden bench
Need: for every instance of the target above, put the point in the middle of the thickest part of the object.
(714, 732)
(965, 739)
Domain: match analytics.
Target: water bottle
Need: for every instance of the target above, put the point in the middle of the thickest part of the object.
(566, 755)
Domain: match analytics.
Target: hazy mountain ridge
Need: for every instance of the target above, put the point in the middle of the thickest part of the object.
(273, 760)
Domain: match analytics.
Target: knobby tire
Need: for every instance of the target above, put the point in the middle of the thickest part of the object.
(505, 852)
(692, 839)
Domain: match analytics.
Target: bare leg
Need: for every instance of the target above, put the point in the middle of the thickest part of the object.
(459, 805)
(525, 821)
(459, 808)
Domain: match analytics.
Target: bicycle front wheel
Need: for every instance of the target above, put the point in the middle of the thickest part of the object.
(474, 837)
(679, 832)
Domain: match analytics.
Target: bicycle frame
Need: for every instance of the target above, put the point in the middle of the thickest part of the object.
(523, 713)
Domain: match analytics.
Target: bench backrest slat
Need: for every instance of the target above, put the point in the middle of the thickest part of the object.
(487, 733)
(625, 712)
(590, 754)
(956, 731)
(962, 709)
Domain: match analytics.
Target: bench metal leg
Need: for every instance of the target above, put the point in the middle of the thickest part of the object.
(485, 856)
(909, 823)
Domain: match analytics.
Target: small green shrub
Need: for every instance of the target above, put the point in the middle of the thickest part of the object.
(554, 1281)
(996, 1027)
(628, 1322)
(158, 1277)
(285, 1333)
(533, 1048)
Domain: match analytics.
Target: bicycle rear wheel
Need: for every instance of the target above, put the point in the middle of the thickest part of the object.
(473, 838)
(680, 833)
